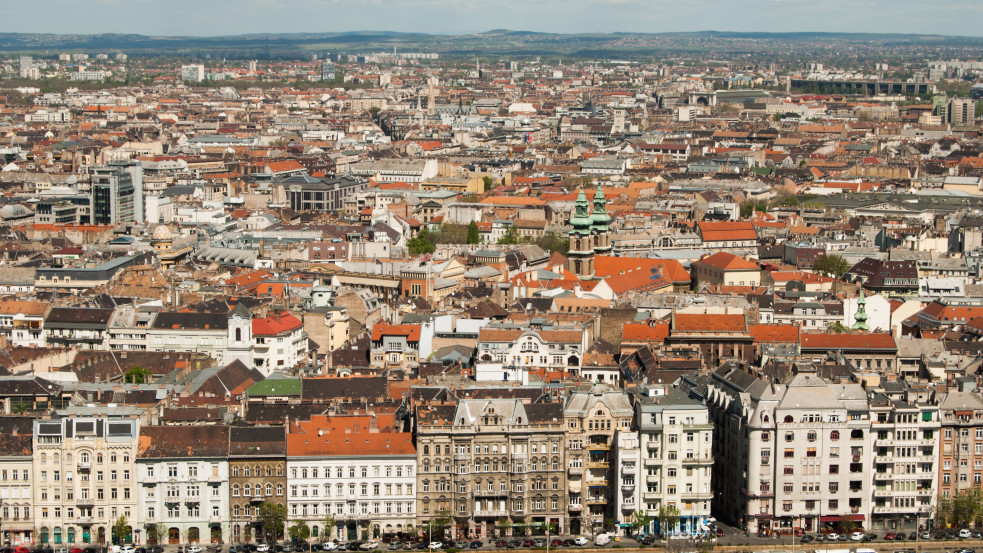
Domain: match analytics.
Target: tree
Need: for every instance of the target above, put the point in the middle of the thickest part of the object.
(137, 375)
(420, 244)
(640, 520)
(511, 236)
(272, 517)
(120, 530)
(836, 327)
(300, 531)
(156, 532)
(668, 518)
(440, 522)
(330, 524)
(504, 524)
(831, 265)
(489, 183)
(474, 236)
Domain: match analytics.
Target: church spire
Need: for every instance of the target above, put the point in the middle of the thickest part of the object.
(861, 315)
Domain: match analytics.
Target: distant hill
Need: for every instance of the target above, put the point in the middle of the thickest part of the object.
(489, 43)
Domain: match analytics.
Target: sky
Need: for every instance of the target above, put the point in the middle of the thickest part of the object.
(233, 17)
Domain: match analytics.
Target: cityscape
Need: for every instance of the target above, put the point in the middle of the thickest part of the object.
(376, 290)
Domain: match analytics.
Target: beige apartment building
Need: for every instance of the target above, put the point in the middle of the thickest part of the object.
(496, 466)
(593, 416)
(85, 476)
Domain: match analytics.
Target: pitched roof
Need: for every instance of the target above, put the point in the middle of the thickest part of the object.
(276, 324)
(707, 322)
(645, 332)
(712, 231)
(858, 341)
(773, 333)
(184, 442)
(727, 262)
(349, 435)
(412, 332)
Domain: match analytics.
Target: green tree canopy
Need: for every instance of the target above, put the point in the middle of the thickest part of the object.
(489, 183)
(420, 244)
(121, 530)
(272, 517)
(831, 265)
(511, 236)
(474, 237)
(668, 518)
(300, 531)
(137, 375)
(640, 520)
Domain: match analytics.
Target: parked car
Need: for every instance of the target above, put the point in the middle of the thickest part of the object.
(832, 536)
(514, 544)
(556, 542)
(394, 546)
(475, 544)
(901, 536)
(261, 548)
(569, 542)
(501, 544)
(539, 542)
(192, 549)
(581, 540)
(965, 533)
(128, 549)
(329, 546)
(926, 535)
(870, 536)
(435, 545)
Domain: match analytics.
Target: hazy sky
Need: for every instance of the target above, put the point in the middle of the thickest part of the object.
(227, 17)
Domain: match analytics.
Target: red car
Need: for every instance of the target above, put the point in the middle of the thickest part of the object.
(720, 533)
(21, 549)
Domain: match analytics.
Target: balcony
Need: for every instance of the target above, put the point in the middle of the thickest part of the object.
(490, 514)
(883, 493)
(652, 479)
(883, 509)
(597, 482)
(84, 520)
(628, 488)
(653, 461)
(598, 464)
(575, 508)
(628, 469)
(85, 502)
(85, 466)
(884, 459)
(576, 471)
(215, 519)
(697, 461)
(597, 500)
(599, 446)
(573, 487)
(462, 456)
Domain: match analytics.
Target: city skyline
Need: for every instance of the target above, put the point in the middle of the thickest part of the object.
(225, 18)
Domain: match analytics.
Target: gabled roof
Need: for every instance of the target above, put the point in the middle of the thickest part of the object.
(274, 325)
(727, 262)
(411, 332)
(853, 341)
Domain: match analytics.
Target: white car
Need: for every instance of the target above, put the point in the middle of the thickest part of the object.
(857, 536)
(832, 537)
(128, 549)
(192, 549)
(329, 546)
(435, 545)
(580, 540)
(965, 533)
(262, 548)
(369, 545)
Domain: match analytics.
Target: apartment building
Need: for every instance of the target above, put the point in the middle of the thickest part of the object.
(279, 342)
(257, 474)
(961, 450)
(16, 479)
(489, 461)
(225, 337)
(508, 353)
(184, 484)
(789, 456)
(593, 418)
(675, 455)
(906, 450)
(85, 475)
(358, 471)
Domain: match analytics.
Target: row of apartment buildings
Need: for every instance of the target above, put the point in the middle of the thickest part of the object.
(806, 454)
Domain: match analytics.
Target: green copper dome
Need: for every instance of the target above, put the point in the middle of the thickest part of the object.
(581, 220)
(600, 219)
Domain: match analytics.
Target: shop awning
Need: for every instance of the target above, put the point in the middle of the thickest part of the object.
(837, 518)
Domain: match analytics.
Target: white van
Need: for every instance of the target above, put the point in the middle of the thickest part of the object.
(602, 539)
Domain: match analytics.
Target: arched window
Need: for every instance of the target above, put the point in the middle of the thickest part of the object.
(834, 435)
(235, 490)
(279, 489)
(856, 434)
(245, 472)
(84, 457)
(788, 418)
(246, 490)
(811, 436)
(269, 489)
(426, 450)
(238, 335)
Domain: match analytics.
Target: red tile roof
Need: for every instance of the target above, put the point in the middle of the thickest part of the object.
(412, 332)
(276, 324)
(347, 435)
(867, 340)
(705, 322)
(771, 333)
(726, 231)
(644, 332)
(727, 262)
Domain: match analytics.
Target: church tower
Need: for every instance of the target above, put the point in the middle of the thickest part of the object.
(580, 258)
(599, 224)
